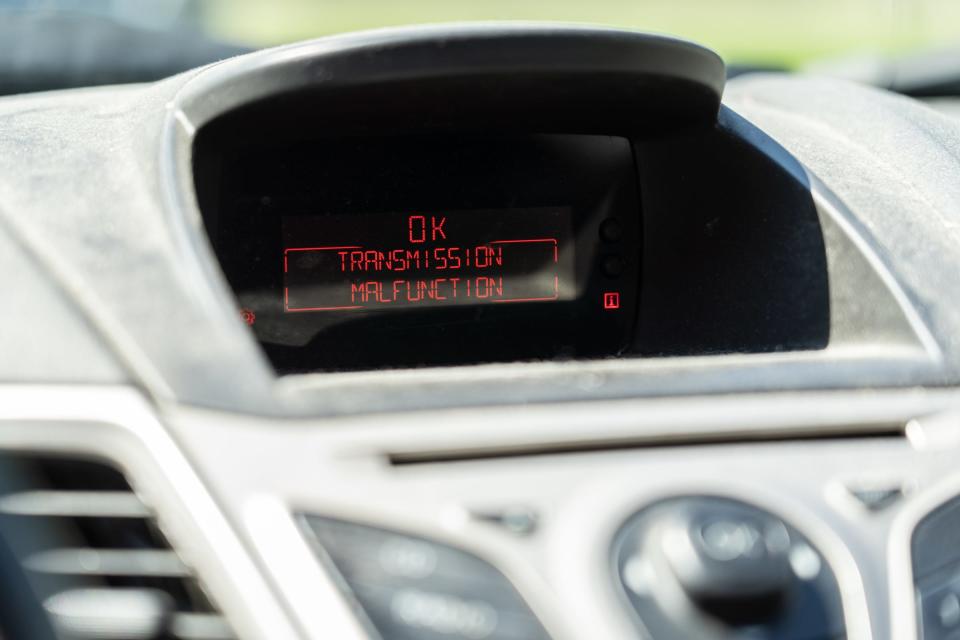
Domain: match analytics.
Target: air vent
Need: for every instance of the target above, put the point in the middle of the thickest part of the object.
(94, 554)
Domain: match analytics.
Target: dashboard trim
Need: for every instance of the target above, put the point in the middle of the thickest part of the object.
(904, 620)
(310, 589)
(338, 467)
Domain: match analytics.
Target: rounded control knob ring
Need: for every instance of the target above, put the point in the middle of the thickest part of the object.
(711, 567)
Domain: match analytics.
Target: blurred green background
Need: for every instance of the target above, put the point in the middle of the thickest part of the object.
(774, 32)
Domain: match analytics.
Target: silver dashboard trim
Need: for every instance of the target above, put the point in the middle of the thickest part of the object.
(323, 610)
(260, 570)
(904, 621)
(340, 467)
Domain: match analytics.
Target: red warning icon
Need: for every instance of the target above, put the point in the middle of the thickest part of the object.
(611, 300)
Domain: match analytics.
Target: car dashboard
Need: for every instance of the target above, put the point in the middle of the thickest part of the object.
(484, 331)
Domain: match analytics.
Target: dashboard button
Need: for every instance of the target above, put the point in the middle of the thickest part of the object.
(422, 614)
(416, 588)
(713, 567)
(934, 543)
(728, 559)
(521, 521)
(948, 611)
(940, 610)
(611, 230)
(614, 266)
(875, 498)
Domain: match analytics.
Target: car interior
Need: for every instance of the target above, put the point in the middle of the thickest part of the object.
(474, 331)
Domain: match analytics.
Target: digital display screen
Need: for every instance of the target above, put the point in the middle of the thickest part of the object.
(350, 262)
(360, 252)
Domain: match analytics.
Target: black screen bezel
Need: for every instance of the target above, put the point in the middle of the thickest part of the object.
(260, 183)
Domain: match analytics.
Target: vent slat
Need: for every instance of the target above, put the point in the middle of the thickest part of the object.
(108, 562)
(74, 504)
(109, 614)
(95, 555)
(129, 614)
(200, 626)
